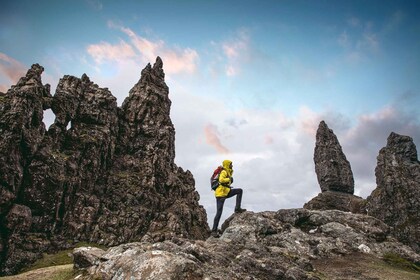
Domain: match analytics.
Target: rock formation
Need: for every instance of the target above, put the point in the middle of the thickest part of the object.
(267, 245)
(396, 200)
(100, 173)
(334, 175)
(331, 165)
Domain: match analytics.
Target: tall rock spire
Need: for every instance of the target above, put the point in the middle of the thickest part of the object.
(331, 165)
(334, 175)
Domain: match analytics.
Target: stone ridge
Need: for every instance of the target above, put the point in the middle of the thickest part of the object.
(267, 245)
(396, 200)
(101, 173)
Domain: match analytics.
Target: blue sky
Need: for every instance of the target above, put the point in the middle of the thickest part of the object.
(249, 80)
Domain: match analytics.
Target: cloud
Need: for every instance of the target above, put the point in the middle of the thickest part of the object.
(353, 22)
(144, 50)
(368, 41)
(11, 68)
(95, 4)
(3, 88)
(343, 39)
(359, 40)
(107, 52)
(212, 138)
(236, 52)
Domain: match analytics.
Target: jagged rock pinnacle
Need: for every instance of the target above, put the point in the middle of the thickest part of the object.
(331, 166)
(396, 200)
(99, 174)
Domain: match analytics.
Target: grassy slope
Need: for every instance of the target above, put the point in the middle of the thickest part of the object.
(367, 267)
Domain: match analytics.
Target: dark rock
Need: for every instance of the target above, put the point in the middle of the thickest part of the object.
(396, 200)
(87, 256)
(334, 176)
(246, 250)
(331, 165)
(18, 219)
(100, 173)
(330, 200)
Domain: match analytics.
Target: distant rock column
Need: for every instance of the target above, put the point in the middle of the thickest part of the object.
(331, 166)
(396, 200)
(334, 175)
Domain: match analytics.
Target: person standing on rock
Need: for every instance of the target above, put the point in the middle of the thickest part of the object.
(223, 191)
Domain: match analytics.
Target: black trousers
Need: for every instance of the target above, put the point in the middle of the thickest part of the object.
(220, 201)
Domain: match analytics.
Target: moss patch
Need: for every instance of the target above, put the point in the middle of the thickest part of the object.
(61, 272)
(396, 260)
(59, 258)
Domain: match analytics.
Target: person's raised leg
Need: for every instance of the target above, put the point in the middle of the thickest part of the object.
(238, 192)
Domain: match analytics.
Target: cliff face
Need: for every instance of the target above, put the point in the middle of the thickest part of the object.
(100, 173)
(396, 200)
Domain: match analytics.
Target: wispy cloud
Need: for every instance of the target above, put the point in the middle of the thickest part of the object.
(95, 4)
(212, 138)
(353, 22)
(144, 50)
(359, 39)
(235, 51)
(12, 68)
(107, 52)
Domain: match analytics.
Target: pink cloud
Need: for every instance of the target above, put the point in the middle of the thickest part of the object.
(212, 138)
(309, 121)
(105, 51)
(176, 60)
(269, 140)
(11, 68)
(3, 88)
(235, 50)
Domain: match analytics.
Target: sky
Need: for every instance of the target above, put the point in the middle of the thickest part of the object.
(249, 80)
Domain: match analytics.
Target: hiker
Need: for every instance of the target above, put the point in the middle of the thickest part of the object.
(223, 191)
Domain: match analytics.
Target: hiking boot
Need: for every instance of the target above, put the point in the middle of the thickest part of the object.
(239, 210)
(215, 234)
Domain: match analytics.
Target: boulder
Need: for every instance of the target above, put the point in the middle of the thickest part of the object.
(330, 200)
(84, 257)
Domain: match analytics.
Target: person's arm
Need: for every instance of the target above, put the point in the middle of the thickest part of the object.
(224, 179)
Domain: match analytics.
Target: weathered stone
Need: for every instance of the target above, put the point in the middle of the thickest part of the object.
(18, 219)
(100, 173)
(330, 200)
(84, 257)
(334, 176)
(331, 165)
(267, 245)
(396, 200)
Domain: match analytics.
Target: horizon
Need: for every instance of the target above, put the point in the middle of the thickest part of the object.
(248, 81)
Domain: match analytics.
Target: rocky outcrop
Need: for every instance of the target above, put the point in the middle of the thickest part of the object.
(334, 175)
(331, 165)
(396, 200)
(267, 245)
(336, 200)
(101, 173)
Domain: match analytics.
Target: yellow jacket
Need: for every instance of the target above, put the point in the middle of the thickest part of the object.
(224, 179)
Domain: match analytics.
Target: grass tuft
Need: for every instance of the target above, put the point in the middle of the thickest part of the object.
(396, 260)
